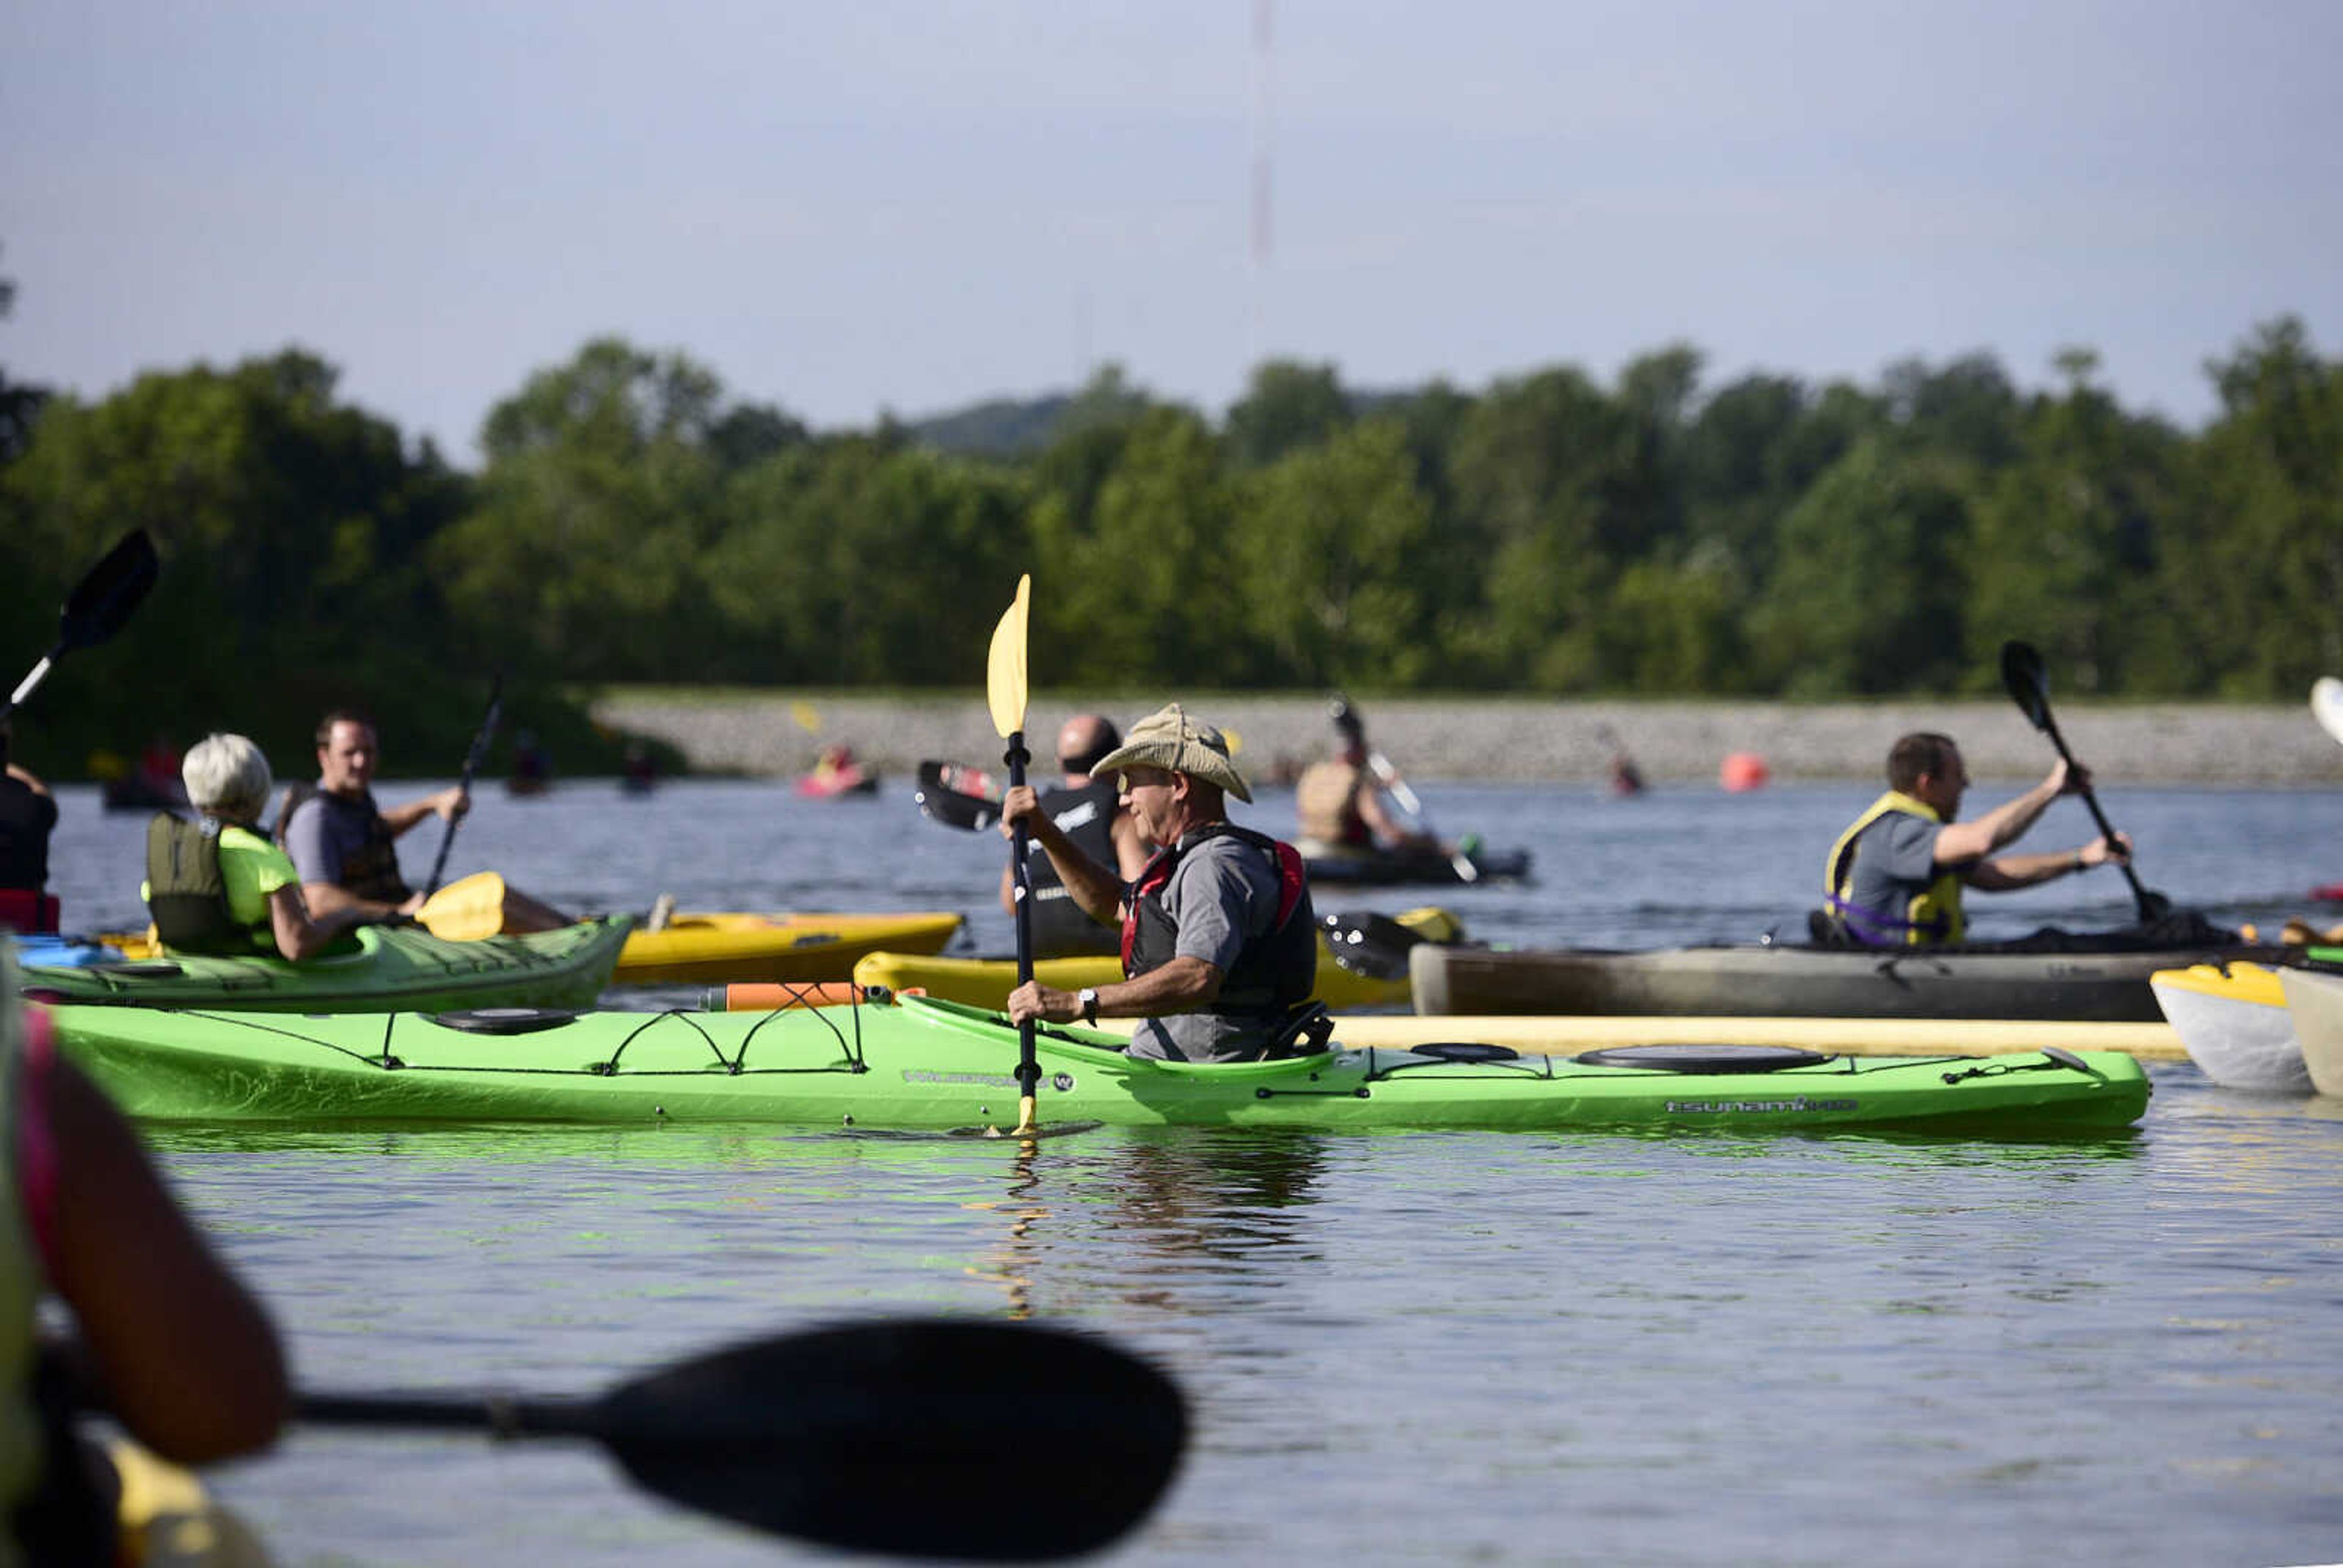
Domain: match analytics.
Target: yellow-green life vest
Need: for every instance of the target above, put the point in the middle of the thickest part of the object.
(1934, 916)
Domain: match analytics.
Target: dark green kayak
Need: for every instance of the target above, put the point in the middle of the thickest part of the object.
(395, 967)
(930, 1065)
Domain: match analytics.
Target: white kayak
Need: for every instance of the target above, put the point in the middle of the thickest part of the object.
(2233, 1020)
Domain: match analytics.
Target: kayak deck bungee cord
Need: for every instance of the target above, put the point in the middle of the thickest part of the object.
(927, 1065)
(393, 967)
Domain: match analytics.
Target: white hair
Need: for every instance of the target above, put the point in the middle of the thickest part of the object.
(226, 775)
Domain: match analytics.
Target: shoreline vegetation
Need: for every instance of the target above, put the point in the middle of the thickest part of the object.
(1766, 566)
(1506, 739)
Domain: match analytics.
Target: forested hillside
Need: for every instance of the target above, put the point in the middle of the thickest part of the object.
(632, 521)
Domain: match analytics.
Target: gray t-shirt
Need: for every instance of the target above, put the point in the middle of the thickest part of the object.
(324, 833)
(1222, 892)
(1894, 861)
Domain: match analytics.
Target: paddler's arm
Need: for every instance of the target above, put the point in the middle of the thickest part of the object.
(2006, 823)
(1095, 887)
(1174, 987)
(2006, 873)
(445, 804)
(299, 935)
(188, 1358)
(331, 899)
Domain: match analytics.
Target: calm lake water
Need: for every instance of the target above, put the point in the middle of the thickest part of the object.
(1405, 1347)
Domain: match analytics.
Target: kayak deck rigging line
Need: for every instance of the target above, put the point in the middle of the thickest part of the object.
(734, 1065)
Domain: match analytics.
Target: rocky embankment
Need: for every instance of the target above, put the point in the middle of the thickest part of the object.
(1521, 740)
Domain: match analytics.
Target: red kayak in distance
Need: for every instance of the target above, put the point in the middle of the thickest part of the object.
(837, 773)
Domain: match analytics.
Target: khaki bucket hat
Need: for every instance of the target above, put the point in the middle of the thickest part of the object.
(1168, 738)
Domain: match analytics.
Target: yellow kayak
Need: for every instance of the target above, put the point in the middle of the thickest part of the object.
(167, 1520)
(987, 983)
(712, 949)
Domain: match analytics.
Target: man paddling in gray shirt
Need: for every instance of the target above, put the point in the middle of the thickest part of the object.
(1895, 875)
(1220, 944)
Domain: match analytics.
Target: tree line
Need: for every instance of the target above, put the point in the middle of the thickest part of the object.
(632, 522)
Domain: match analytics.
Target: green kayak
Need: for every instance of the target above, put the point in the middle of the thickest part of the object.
(395, 968)
(932, 1065)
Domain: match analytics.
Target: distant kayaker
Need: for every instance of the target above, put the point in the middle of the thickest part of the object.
(188, 1361)
(1339, 799)
(1087, 809)
(219, 886)
(345, 847)
(28, 815)
(1220, 946)
(1895, 875)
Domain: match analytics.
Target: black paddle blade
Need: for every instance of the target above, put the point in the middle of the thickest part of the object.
(1369, 944)
(925, 1438)
(2029, 686)
(103, 600)
(957, 796)
(1346, 718)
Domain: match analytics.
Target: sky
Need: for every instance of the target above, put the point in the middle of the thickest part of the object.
(858, 206)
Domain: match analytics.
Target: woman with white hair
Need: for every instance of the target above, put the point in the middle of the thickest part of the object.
(220, 885)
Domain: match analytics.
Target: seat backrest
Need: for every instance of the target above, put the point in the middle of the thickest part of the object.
(1304, 1032)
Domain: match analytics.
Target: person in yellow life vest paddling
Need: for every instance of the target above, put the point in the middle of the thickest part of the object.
(1895, 876)
(188, 1360)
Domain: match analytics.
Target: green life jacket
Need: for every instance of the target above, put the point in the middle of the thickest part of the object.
(188, 896)
(1934, 915)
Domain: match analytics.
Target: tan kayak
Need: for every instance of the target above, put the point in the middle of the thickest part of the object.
(1549, 1035)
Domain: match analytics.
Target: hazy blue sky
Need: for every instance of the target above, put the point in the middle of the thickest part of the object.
(872, 204)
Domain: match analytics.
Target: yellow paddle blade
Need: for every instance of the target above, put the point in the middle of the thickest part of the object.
(1236, 741)
(1004, 671)
(807, 719)
(468, 909)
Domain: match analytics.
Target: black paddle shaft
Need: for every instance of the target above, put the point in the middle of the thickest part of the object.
(2022, 673)
(1029, 1065)
(472, 760)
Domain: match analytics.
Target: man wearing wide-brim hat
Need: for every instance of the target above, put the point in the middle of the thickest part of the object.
(1219, 941)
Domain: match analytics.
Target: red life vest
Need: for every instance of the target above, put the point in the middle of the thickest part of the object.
(1273, 972)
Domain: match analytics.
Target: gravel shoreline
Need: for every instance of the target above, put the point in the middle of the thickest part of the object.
(1519, 740)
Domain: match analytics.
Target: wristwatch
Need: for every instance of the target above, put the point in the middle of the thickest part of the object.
(1088, 997)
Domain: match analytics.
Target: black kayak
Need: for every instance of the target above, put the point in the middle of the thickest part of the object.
(2072, 977)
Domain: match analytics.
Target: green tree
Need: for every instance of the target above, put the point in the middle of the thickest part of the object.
(601, 495)
(1288, 406)
(1868, 593)
(1144, 590)
(2065, 535)
(851, 561)
(291, 526)
(1555, 491)
(2252, 573)
(1327, 545)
